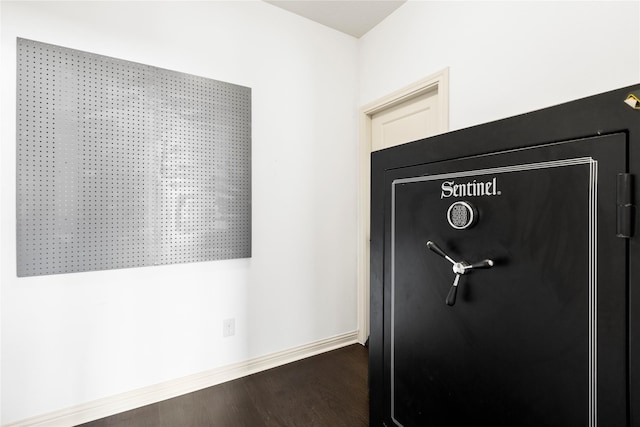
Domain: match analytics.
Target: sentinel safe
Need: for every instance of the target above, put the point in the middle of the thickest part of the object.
(505, 272)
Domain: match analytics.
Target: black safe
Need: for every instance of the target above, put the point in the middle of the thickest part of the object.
(505, 272)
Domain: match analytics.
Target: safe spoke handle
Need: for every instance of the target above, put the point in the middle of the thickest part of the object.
(437, 249)
(485, 263)
(459, 268)
(451, 296)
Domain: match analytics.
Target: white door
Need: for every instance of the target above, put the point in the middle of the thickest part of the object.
(411, 113)
(412, 119)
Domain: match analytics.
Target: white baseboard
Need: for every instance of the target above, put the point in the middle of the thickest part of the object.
(156, 393)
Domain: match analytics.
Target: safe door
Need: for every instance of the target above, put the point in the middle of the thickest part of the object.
(505, 289)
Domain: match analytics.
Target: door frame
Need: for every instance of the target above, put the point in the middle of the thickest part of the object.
(438, 81)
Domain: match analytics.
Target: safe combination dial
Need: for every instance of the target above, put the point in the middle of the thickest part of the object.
(462, 215)
(459, 268)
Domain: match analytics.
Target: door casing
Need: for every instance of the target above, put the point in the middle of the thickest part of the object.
(438, 82)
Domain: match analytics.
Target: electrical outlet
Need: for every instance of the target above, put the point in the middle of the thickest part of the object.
(228, 327)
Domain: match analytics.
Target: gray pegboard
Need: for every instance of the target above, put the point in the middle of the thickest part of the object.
(121, 164)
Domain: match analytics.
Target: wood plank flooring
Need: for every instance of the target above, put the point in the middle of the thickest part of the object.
(325, 390)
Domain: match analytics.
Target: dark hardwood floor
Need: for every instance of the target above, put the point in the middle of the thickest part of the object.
(325, 390)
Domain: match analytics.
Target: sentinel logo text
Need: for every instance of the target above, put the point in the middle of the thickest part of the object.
(470, 189)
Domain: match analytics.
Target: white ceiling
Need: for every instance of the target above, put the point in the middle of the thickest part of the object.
(353, 17)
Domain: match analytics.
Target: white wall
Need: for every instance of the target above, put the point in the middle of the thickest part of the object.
(506, 57)
(73, 338)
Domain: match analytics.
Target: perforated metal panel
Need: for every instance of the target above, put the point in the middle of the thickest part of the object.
(121, 164)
